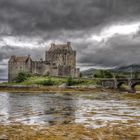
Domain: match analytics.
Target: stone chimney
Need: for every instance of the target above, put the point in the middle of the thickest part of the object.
(13, 57)
(68, 44)
(52, 44)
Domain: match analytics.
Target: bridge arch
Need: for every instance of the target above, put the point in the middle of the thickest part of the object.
(120, 83)
(133, 85)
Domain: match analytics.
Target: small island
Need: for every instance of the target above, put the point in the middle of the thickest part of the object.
(58, 72)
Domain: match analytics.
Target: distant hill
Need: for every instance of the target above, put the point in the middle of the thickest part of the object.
(88, 72)
(122, 69)
(3, 79)
(134, 68)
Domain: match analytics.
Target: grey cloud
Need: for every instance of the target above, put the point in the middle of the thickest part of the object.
(3, 71)
(37, 16)
(7, 51)
(72, 20)
(119, 50)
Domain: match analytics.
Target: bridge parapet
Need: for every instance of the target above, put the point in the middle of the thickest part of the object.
(116, 83)
(109, 84)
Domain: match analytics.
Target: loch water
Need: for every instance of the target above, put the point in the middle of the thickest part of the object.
(91, 110)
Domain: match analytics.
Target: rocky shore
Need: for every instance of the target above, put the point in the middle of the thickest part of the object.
(37, 88)
(69, 132)
(58, 89)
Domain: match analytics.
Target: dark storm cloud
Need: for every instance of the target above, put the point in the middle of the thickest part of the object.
(3, 73)
(70, 20)
(37, 16)
(7, 51)
(117, 51)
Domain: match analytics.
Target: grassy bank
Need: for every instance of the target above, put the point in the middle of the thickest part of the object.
(57, 84)
(88, 93)
(52, 89)
(58, 81)
(69, 132)
(54, 81)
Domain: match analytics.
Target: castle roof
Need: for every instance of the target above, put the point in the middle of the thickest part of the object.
(20, 58)
(60, 47)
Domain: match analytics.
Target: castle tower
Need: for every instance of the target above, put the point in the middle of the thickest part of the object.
(64, 57)
(61, 55)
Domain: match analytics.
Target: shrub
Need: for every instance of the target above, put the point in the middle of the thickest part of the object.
(81, 75)
(22, 76)
(98, 82)
(48, 82)
(103, 74)
(70, 81)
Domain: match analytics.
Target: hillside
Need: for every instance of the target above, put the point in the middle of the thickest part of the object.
(134, 68)
(122, 69)
(88, 72)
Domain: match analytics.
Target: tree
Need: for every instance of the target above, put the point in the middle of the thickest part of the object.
(70, 81)
(108, 74)
(81, 74)
(22, 76)
(136, 74)
(48, 82)
(99, 74)
(103, 74)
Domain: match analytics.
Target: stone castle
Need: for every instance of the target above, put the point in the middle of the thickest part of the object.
(60, 60)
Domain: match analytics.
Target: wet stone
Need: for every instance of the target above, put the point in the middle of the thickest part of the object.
(3, 137)
(113, 118)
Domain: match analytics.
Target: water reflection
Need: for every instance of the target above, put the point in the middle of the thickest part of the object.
(45, 109)
(97, 113)
(4, 107)
(50, 109)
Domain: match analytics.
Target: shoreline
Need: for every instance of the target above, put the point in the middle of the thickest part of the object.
(56, 89)
(39, 89)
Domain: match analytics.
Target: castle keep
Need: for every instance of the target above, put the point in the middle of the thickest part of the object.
(60, 60)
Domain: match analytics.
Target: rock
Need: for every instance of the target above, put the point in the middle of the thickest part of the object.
(3, 137)
(63, 85)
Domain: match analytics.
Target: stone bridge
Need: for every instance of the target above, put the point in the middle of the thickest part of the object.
(117, 83)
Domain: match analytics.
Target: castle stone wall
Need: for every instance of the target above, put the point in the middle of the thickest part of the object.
(15, 67)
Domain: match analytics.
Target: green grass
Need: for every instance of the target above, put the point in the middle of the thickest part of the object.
(80, 82)
(137, 87)
(42, 80)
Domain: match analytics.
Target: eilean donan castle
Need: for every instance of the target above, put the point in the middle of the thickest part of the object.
(60, 60)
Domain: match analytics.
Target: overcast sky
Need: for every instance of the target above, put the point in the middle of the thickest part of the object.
(105, 33)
